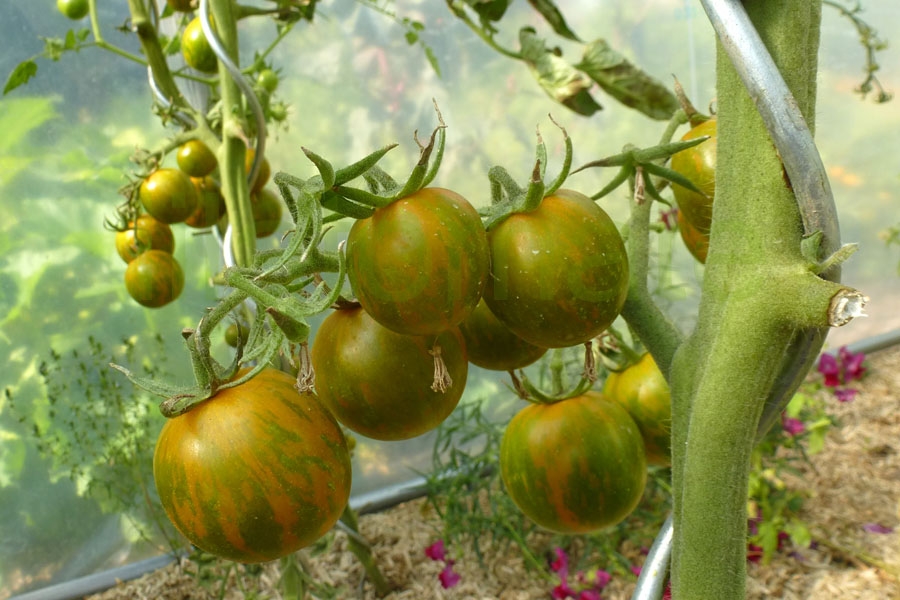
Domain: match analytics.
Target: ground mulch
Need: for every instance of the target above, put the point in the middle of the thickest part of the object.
(853, 483)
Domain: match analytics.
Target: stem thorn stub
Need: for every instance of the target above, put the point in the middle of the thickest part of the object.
(845, 306)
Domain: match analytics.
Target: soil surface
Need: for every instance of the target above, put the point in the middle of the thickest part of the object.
(854, 487)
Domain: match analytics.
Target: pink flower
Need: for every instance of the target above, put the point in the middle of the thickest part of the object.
(589, 595)
(601, 579)
(852, 364)
(828, 366)
(436, 551)
(845, 394)
(667, 595)
(877, 528)
(560, 565)
(448, 576)
(754, 553)
(792, 426)
(562, 591)
(636, 570)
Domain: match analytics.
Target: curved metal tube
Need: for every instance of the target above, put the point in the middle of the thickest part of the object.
(795, 144)
(241, 82)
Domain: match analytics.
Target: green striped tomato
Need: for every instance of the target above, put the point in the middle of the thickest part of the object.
(642, 390)
(377, 382)
(491, 345)
(254, 473)
(419, 265)
(154, 278)
(169, 195)
(146, 234)
(559, 274)
(574, 466)
(699, 165)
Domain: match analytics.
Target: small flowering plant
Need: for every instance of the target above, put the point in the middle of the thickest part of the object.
(838, 371)
(437, 552)
(587, 586)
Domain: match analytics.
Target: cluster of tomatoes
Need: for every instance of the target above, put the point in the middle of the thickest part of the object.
(189, 195)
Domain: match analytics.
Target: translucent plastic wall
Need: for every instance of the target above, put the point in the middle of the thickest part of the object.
(71, 497)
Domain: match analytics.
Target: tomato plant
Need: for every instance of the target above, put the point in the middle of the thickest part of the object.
(642, 390)
(574, 466)
(196, 159)
(210, 203)
(266, 206)
(146, 233)
(234, 332)
(267, 80)
(491, 345)
(73, 9)
(419, 264)
(196, 49)
(698, 164)
(254, 473)
(559, 273)
(380, 383)
(181, 5)
(265, 170)
(169, 195)
(154, 278)
(696, 242)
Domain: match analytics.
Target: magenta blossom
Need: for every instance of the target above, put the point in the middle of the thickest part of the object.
(589, 595)
(851, 363)
(560, 565)
(877, 528)
(845, 394)
(636, 569)
(828, 366)
(792, 426)
(448, 576)
(436, 551)
(562, 591)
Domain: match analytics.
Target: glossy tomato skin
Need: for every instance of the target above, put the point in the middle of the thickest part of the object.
(699, 165)
(210, 203)
(491, 345)
(559, 274)
(196, 159)
(180, 5)
(148, 234)
(73, 9)
(169, 195)
(377, 382)
(696, 242)
(420, 264)
(574, 466)
(266, 207)
(642, 390)
(254, 473)
(154, 279)
(265, 170)
(196, 49)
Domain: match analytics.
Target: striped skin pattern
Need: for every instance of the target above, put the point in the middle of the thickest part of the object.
(574, 466)
(642, 390)
(154, 278)
(559, 274)
(377, 382)
(254, 473)
(148, 234)
(698, 164)
(420, 264)
(169, 195)
(491, 345)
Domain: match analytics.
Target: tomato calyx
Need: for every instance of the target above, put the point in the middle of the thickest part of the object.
(356, 203)
(508, 197)
(615, 353)
(528, 391)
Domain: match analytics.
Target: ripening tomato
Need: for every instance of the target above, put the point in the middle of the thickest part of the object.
(267, 80)
(266, 207)
(154, 278)
(196, 159)
(379, 383)
(210, 205)
(491, 345)
(419, 265)
(574, 466)
(235, 332)
(196, 49)
(169, 195)
(642, 390)
(559, 274)
(256, 472)
(147, 234)
(699, 165)
(73, 9)
(696, 242)
(265, 170)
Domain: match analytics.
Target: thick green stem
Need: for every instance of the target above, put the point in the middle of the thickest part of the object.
(231, 152)
(156, 58)
(756, 296)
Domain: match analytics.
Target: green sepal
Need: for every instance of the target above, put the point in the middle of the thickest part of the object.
(424, 172)
(295, 330)
(351, 172)
(566, 166)
(362, 197)
(325, 168)
(344, 207)
(379, 181)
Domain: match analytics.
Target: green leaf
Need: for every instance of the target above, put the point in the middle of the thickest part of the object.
(555, 18)
(489, 10)
(627, 83)
(24, 71)
(53, 47)
(560, 80)
(70, 42)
